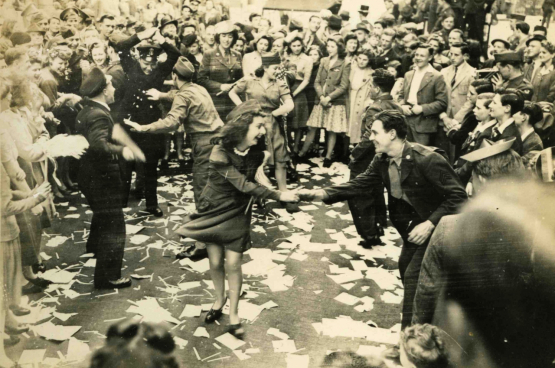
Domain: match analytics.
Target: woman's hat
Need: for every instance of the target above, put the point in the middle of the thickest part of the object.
(224, 27)
(189, 40)
(489, 149)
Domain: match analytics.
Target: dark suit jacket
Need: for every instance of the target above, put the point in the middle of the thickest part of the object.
(459, 137)
(543, 85)
(532, 142)
(511, 132)
(432, 96)
(382, 60)
(427, 179)
(216, 70)
(95, 123)
(315, 41)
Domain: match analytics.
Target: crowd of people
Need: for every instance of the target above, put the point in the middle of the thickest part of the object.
(417, 103)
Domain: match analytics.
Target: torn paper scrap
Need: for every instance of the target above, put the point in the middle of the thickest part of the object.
(77, 350)
(191, 311)
(297, 361)
(284, 346)
(277, 333)
(201, 332)
(347, 298)
(34, 356)
(230, 341)
(51, 331)
(55, 241)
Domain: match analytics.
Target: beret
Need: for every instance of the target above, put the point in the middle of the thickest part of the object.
(508, 57)
(189, 40)
(20, 38)
(537, 37)
(271, 59)
(334, 22)
(505, 42)
(184, 68)
(93, 84)
(224, 27)
(250, 106)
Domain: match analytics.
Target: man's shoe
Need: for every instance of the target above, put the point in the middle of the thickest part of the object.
(31, 289)
(196, 254)
(156, 211)
(19, 311)
(292, 207)
(121, 283)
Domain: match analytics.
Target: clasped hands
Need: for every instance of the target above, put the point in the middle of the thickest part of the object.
(305, 195)
(152, 33)
(409, 110)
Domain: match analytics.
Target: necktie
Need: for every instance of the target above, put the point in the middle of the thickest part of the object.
(454, 77)
(495, 132)
(395, 180)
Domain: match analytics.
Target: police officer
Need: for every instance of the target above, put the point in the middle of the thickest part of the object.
(422, 189)
(142, 75)
(192, 107)
(100, 179)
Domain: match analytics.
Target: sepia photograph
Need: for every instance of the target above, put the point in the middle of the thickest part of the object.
(277, 183)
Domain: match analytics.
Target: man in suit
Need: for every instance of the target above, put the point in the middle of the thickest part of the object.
(525, 120)
(422, 189)
(424, 98)
(311, 37)
(369, 214)
(503, 108)
(388, 54)
(100, 179)
(533, 49)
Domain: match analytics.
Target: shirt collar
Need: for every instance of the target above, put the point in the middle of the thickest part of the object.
(102, 104)
(527, 133)
(482, 127)
(399, 158)
(428, 68)
(504, 126)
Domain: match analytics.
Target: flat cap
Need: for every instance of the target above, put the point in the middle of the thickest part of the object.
(224, 27)
(184, 68)
(362, 27)
(93, 84)
(271, 59)
(20, 38)
(505, 42)
(344, 14)
(508, 57)
(334, 22)
(247, 107)
(189, 40)
(536, 37)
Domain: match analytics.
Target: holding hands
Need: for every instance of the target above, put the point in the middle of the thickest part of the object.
(289, 196)
(309, 195)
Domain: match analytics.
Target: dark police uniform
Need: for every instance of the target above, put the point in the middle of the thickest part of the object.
(430, 190)
(138, 108)
(100, 181)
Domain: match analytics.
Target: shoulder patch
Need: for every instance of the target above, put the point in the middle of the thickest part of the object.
(444, 177)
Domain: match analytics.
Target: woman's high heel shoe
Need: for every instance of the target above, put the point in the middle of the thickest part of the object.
(236, 330)
(16, 330)
(214, 314)
(40, 282)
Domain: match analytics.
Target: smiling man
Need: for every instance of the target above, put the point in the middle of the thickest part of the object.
(422, 189)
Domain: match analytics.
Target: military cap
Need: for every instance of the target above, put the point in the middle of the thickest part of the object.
(20, 38)
(189, 40)
(224, 27)
(271, 59)
(489, 149)
(66, 13)
(537, 37)
(505, 42)
(184, 68)
(334, 22)
(149, 51)
(93, 84)
(362, 27)
(247, 107)
(508, 57)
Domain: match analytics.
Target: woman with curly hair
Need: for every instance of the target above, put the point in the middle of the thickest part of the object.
(223, 220)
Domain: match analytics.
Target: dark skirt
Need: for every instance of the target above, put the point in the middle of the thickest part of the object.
(227, 225)
(300, 112)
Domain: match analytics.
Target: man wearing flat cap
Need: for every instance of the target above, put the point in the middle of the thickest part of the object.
(499, 45)
(532, 54)
(193, 108)
(142, 75)
(100, 179)
(510, 74)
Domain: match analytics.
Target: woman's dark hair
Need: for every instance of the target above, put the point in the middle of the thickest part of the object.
(233, 132)
(393, 120)
(474, 53)
(340, 47)
(369, 55)
(317, 49)
(296, 39)
(259, 72)
(534, 111)
(483, 86)
(352, 36)
(233, 33)
(96, 45)
(267, 38)
(440, 42)
(515, 101)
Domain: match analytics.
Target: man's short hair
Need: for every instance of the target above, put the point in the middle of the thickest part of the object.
(106, 16)
(523, 27)
(254, 15)
(393, 120)
(461, 33)
(465, 50)
(384, 80)
(515, 101)
(508, 163)
(314, 16)
(422, 45)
